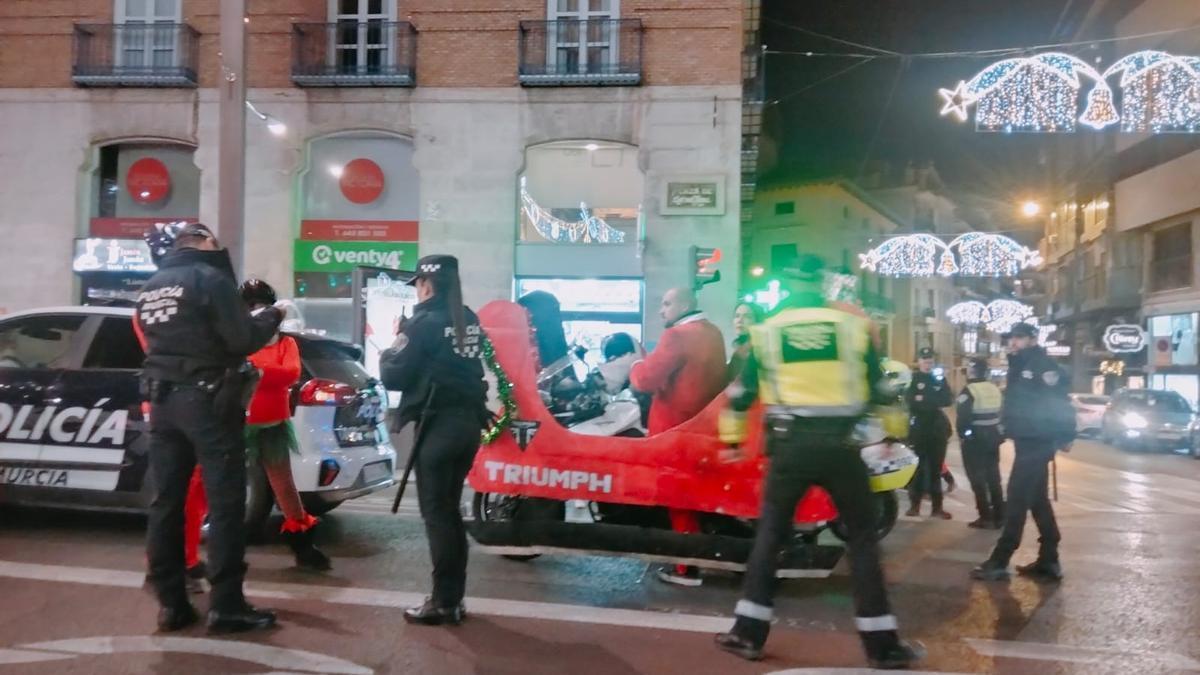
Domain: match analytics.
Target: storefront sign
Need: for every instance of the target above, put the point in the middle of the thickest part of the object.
(694, 195)
(361, 181)
(1124, 338)
(359, 230)
(148, 181)
(1058, 350)
(129, 228)
(112, 255)
(344, 256)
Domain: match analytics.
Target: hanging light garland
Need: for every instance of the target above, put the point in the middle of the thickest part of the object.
(980, 254)
(1160, 92)
(998, 316)
(590, 229)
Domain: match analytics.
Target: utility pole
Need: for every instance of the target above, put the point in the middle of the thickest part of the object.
(231, 148)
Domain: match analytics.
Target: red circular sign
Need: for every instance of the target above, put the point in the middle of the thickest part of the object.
(148, 181)
(361, 181)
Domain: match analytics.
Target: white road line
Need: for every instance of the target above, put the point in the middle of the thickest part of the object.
(371, 597)
(1043, 651)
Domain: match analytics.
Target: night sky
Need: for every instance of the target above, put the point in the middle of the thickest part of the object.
(828, 129)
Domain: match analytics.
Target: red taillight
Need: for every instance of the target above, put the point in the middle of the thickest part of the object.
(327, 392)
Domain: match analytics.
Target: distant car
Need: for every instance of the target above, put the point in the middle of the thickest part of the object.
(72, 432)
(1149, 418)
(1089, 412)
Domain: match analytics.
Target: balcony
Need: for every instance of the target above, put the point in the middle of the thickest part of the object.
(353, 54)
(573, 53)
(135, 55)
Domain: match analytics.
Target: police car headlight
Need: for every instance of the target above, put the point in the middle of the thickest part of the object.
(1134, 420)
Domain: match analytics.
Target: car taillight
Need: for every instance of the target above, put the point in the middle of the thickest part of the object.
(327, 392)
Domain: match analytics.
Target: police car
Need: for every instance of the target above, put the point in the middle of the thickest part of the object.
(72, 432)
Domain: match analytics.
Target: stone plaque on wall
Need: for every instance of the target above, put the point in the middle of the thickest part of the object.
(693, 195)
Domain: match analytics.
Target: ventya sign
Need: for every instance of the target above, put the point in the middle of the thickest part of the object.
(344, 256)
(1124, 338)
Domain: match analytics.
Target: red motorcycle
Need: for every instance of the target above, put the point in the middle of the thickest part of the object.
(531, 484)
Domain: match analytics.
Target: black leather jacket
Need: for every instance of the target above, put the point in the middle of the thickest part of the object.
(926, 397)
(1036, 404)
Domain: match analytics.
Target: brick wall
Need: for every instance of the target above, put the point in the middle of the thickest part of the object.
(462, 43)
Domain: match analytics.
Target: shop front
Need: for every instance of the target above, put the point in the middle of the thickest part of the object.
(1172, 359)
(132, 187)
(580, 235)
(359, 208)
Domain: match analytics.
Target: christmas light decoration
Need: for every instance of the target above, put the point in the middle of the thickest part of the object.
(1159, 92)
(980, 254)
(998, 316)
(590, 229)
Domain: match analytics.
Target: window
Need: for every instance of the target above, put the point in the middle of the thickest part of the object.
(363, 34)
(592, 309)
(785, 208)
(1171, 264)
(115, 346)
(1173, 339)
(146, 35)
(39, 341)
(583, 39)
(783, 256)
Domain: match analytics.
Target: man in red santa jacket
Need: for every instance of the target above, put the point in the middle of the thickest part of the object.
(684, 373)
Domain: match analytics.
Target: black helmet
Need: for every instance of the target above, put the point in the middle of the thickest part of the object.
(979, 369)
(617, 345)
(257, 292)
(161, 239)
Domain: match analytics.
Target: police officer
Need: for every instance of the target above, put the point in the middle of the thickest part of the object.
(436, 363)
(815, 369)
(929, 431)
(199, 333)
(978, 415)
(1038, 417)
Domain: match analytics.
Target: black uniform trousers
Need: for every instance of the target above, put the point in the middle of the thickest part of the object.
(1028, 492)
(447, 449)
(931, 451)
(804, 453)
(981, 458)
(187, 427)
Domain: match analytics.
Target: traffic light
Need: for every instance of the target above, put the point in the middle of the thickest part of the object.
(704, 266)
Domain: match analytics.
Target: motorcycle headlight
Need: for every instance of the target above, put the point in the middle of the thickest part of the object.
(1133, 420)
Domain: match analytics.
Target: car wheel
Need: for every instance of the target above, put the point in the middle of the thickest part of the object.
(314, 504)
(492, 507)
(259, 501)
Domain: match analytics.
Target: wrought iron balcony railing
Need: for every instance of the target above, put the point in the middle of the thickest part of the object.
(354, 54)
(581, 52)
(135, 55)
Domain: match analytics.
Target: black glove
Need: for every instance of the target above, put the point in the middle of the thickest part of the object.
(272, 314)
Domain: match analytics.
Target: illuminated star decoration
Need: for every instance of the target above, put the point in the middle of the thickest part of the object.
(979, 254)
(956, 101)
(589, 229)
(1159, 92)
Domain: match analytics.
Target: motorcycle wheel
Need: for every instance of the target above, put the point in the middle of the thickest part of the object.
(887, 509)
(488, 507)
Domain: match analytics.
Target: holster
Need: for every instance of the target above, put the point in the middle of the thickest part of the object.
(236, 388)
(154, 391)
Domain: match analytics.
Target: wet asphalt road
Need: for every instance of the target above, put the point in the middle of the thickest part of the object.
(70, 598)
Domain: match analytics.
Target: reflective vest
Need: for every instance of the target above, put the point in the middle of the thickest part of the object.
(985, 406)
(813, 362)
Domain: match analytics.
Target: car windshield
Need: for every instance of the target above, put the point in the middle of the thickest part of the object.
(1162, 401)
(332, 360)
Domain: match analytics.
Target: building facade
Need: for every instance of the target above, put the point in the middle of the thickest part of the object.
(581, 146)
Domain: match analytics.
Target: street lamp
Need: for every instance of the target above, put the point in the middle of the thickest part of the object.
(1030, 209)
(275, 126)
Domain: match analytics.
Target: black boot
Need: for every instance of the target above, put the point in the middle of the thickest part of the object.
(938, 511)
(739, 646)
(998, 516)
(307, 554)
(177, 617)
(245, 618)
(914, 508)
(886, 651)
(430, 614)
(1049, 570)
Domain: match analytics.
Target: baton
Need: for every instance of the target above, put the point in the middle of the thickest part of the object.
(1054, 476)
(412, 455)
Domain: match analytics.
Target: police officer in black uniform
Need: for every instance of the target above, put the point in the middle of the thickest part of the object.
(929, 431)
(978, 414)
(437, 363)
(1038, 417)
(199, 333)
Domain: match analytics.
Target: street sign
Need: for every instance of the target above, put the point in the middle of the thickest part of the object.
(1124, 338)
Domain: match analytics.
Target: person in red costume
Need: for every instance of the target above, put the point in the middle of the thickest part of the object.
(195, 507)
(270, 437)
(684, 373)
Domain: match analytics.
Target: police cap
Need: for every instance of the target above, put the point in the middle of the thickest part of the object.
(926, 353)
(436, 265)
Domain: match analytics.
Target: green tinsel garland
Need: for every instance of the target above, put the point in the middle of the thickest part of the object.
(504, 388)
